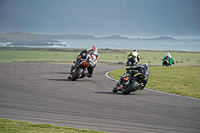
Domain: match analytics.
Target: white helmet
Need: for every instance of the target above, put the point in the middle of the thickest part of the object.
(168, 55)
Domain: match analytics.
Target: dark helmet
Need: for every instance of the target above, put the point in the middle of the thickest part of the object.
(135, 50)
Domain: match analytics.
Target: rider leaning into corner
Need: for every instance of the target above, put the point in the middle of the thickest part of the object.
(92, 60)
(143, 69)
(136, 54)
(170, 58)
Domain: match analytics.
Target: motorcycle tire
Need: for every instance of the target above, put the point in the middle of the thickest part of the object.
(128, 64)
(165, 63)
(76, 74)
(130, 88)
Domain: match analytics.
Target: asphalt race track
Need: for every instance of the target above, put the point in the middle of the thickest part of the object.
(41, 93)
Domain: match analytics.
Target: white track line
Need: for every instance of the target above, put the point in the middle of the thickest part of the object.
(153, 90)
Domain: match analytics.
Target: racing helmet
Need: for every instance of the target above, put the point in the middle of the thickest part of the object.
(145, 66)
(168, 55)
(94, 48)
(135, 50)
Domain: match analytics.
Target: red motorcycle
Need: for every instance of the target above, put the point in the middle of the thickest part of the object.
(78, 70)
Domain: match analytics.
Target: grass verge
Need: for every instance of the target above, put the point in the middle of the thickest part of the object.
(10, 126)
(106, 57)
(179, 80)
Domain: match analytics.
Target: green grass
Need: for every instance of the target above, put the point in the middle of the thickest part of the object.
(22, 55)
(155, 58)
(10, 126)
(106, 57)
(180, 80)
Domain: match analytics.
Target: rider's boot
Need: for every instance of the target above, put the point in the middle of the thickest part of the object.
(88, 75)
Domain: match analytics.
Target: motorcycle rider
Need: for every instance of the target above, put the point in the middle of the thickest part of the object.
(143, 69)
(92, 60)
(136, 54)
(169, 58)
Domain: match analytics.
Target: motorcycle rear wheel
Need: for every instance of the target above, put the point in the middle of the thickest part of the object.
(130, 88)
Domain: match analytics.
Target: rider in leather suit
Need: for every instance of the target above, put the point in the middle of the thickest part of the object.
(170, 58)
(92, 60)
(135, 53)
(143, 69)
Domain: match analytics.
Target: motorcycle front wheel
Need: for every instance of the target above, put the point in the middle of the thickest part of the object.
(128, 63)
(76, 74)
(130, 88)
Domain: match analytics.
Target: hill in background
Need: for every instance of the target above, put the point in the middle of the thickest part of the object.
(111, 37)
(20, 37)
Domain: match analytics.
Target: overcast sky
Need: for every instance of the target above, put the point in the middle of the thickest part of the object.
(102, 17)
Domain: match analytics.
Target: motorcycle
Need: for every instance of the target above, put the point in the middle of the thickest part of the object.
(78, 70)
(130, 83)
(166, 62)
(131, 61)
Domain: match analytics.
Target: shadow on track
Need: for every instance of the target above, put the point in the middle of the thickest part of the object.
(111, 93)
(62, 72)
(59, 79)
